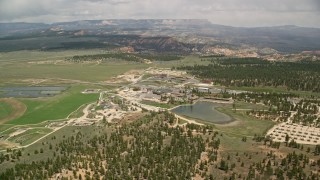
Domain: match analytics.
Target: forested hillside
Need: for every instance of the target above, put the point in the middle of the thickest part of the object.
(253, 72)
(151, 148)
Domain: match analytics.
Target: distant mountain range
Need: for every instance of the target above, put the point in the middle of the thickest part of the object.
(182, 36)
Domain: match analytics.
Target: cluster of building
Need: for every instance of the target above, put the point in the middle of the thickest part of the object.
(163, 88)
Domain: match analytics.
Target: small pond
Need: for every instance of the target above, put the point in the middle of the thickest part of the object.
(204, 111)
(31, 91)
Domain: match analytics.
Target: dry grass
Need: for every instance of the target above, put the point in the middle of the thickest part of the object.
(18, 109)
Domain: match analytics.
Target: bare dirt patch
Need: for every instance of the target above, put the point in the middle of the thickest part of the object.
(33, 82)
(7, 144)
(18, 109)
(233, 123)
(131, 76)
(132, 117)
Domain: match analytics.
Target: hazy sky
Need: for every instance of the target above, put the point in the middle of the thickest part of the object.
(227, 12)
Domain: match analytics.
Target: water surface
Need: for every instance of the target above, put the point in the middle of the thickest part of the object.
(204, 111)
(31, 91)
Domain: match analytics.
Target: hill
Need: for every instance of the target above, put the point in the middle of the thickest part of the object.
(162, 35)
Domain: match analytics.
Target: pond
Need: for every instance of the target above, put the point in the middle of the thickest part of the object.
(204, 111)
(31, 91)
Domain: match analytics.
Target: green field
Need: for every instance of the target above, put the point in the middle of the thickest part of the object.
(5, 110)
(78, 113)
(245, 105)
(244, 124)
(58, 107)
(4, 127)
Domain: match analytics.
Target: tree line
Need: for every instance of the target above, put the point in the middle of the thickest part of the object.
(252, 72)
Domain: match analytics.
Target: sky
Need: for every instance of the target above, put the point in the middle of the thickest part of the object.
(243, 13)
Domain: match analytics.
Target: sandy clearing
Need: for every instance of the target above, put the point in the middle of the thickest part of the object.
(17, 132)
(7, 144)
(188, 120)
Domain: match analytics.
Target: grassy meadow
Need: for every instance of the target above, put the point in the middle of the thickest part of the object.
(5, 110)
(19, 67)
(186, 61)
(243, 125)
(57, 107)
